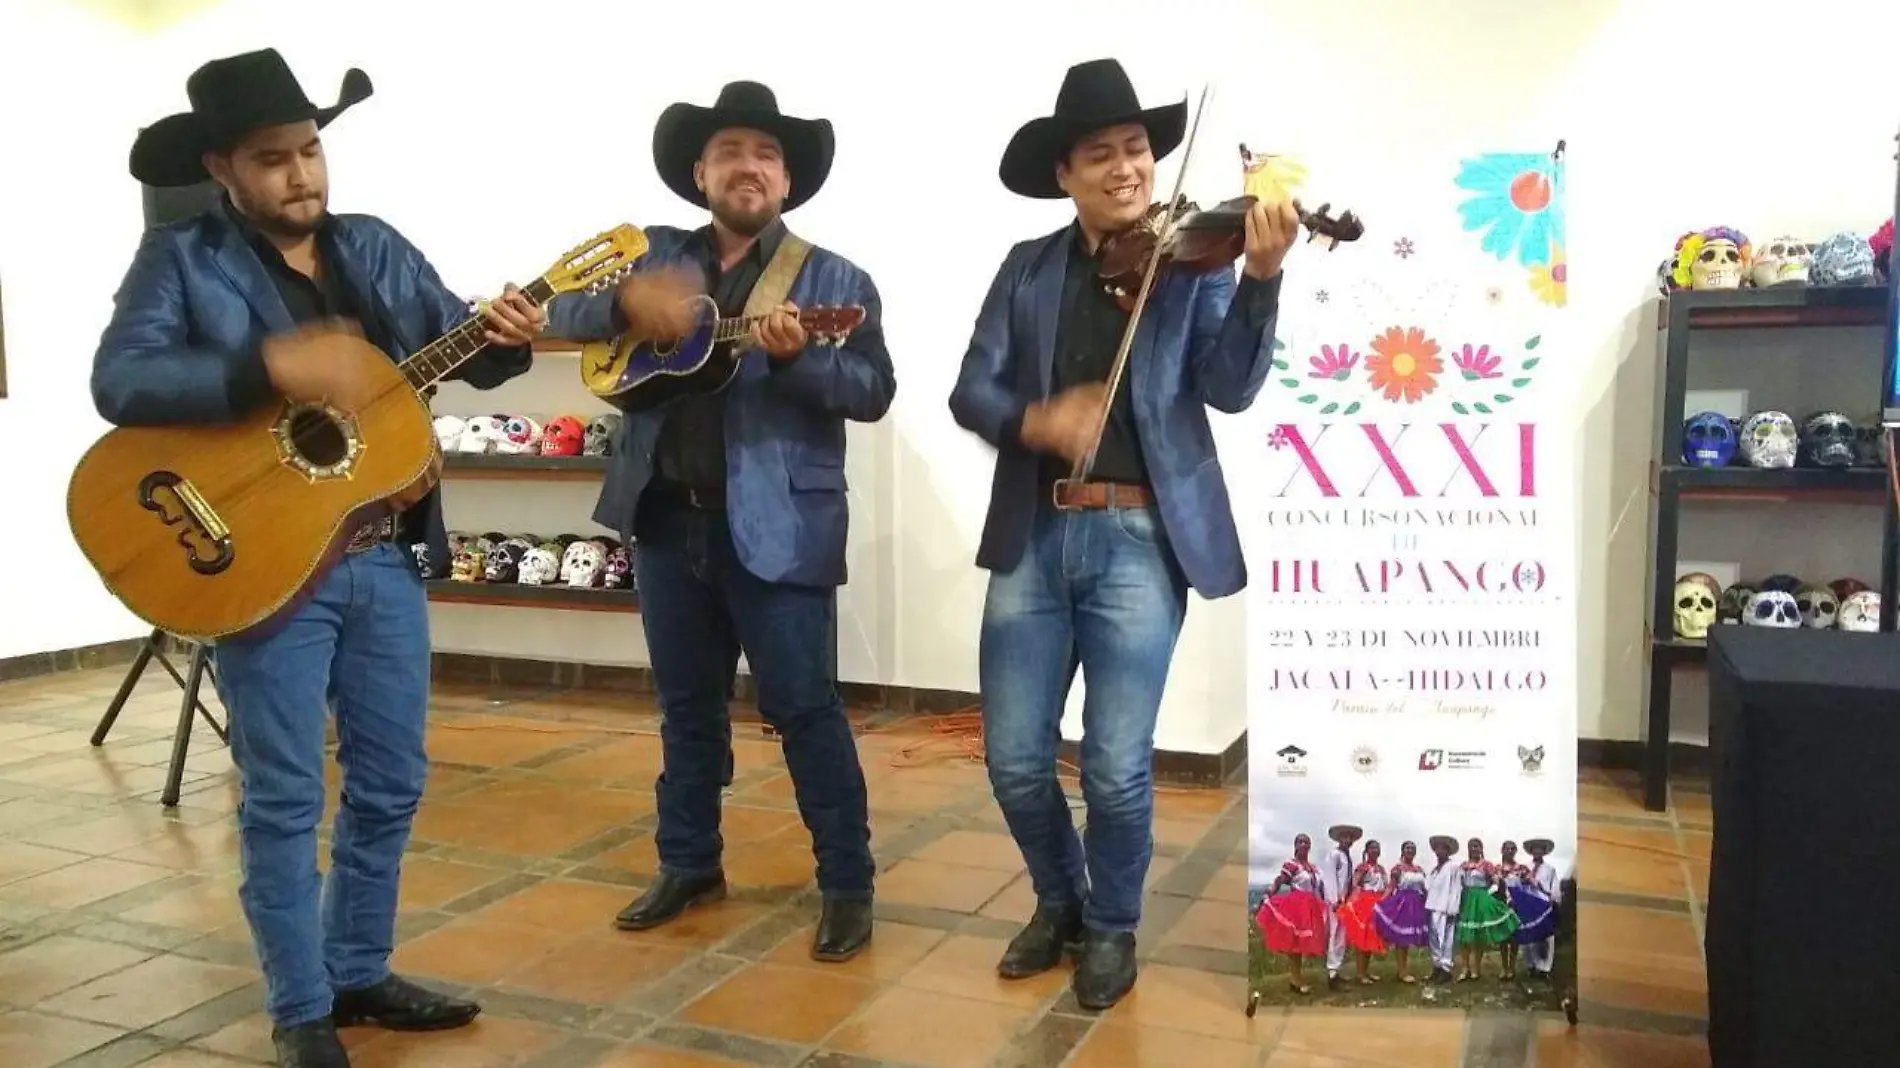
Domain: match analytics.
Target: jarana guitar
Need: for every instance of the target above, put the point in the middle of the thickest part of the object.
(223, 531)
(636, 375)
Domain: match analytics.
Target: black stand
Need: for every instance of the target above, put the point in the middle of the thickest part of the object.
(190, 682)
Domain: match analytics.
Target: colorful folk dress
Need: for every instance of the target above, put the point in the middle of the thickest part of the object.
(1482, 919)
(1292, 919)
(1400, 915)
(1356, 914)
(1536, 912)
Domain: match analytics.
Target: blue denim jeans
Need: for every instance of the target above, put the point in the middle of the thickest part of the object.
(1097, 589)
(700, 607)
(359, 648)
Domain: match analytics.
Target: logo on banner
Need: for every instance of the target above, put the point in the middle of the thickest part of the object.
(1292, 762)
(1451, 759)
(1365, 760)
(1532, 760)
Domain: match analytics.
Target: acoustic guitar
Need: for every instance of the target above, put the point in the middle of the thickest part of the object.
(224, 531)
(637, 375)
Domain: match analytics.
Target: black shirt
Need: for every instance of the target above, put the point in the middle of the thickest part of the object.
(1088, 334)
(692, 448)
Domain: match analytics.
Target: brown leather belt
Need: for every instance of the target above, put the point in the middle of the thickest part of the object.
(1099, 495)
(371, 536)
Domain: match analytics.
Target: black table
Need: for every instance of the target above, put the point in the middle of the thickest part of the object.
(1803, 935)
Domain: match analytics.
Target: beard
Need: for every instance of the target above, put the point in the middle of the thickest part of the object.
(744, 221)
(290, 220)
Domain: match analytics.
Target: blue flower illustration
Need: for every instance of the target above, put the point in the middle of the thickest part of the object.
(1517, 203)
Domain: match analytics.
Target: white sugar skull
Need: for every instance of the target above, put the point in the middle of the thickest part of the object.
(600, 434)
(1781, 262)
(1721, 262)
(1818, 606)
(1772, 608)
(1769, 440)
(539, 567)
(1828, 440)
(581, 566)
(448, 431)
(481, 434)
(519, 434)
(1861, 612)
(1695, 608)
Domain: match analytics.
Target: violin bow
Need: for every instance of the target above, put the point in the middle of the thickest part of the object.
(1084, 466)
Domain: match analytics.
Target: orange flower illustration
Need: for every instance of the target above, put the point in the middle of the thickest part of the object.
(1404, 363)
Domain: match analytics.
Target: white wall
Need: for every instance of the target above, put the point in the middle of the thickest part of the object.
(495, 160)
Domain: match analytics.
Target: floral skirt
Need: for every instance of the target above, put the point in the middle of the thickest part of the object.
(1536, 916)
(1293, 922)
(1356, 917)
(1484, 920)
(1401, 919)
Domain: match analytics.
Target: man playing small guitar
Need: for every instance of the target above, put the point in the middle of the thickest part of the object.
(737, 497)
(217, 316)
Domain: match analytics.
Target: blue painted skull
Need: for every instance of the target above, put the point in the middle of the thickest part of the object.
(1708, 440)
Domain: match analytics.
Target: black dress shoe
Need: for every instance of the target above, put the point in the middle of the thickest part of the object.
(311, 1045)
(400, 1005)
(669, 896)
(1052, 931)
(844, 929)
(1105, 972)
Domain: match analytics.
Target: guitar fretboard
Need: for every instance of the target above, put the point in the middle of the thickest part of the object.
(739, 329)
(439, 358)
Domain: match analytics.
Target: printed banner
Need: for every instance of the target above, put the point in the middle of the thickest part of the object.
(1411, 623)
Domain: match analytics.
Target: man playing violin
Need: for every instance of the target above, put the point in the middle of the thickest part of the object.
(737, 499)
(1096, 574)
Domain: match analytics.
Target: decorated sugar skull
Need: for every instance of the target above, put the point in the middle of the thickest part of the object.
(1716, 258)
(1772, 608)
(1707, 581)
(482, 434)
(581, 565)
(1842, 260)
(458, 540)
(504, 564)
(1870, 444)
(1781, 262)
(468, 565)
(1818, 607)
(1843, 588)
(1827, 440)
(1708, 440)
(1733, 604)
(539, 567)
(1881, 245)
(519, 434)
(1861, 612)
(1673, 274)
(1769, 440)
(1695, 608)
(601, 430)
(617, 572)
(563, 437)
(448, 431)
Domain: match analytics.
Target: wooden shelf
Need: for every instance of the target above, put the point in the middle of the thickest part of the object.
(1773, 485)
(512, 595)
(531, 467)
(1778, 306)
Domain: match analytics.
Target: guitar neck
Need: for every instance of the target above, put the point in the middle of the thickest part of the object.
(740, 329)
(439, 358)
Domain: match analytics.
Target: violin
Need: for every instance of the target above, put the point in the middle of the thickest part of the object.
(1201, 239)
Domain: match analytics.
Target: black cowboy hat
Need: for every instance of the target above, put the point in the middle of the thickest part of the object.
(230, 97)
(683, 130)
(1094, 96)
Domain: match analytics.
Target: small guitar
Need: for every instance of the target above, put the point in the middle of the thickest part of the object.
(634, 375)
(223, 531)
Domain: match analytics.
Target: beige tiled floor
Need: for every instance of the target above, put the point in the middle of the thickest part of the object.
(121, 942)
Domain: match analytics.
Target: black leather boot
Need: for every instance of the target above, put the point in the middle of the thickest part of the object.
(1052, 931)
(400, 1005)
(1105, 971)
(844, 929)
(311, 1045)
(669, 896)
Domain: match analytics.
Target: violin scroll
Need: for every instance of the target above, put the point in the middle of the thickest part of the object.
(1347, 227)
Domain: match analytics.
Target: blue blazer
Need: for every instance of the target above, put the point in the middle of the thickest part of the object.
(1201, 343)
(785, 485)
(185, 341)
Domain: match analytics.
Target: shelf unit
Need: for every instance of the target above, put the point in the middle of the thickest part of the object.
(1680, 316)
(535, 468)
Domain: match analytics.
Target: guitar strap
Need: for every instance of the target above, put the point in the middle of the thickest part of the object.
(776, 283)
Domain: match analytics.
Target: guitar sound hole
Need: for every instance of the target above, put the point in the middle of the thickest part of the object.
(317, 438)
